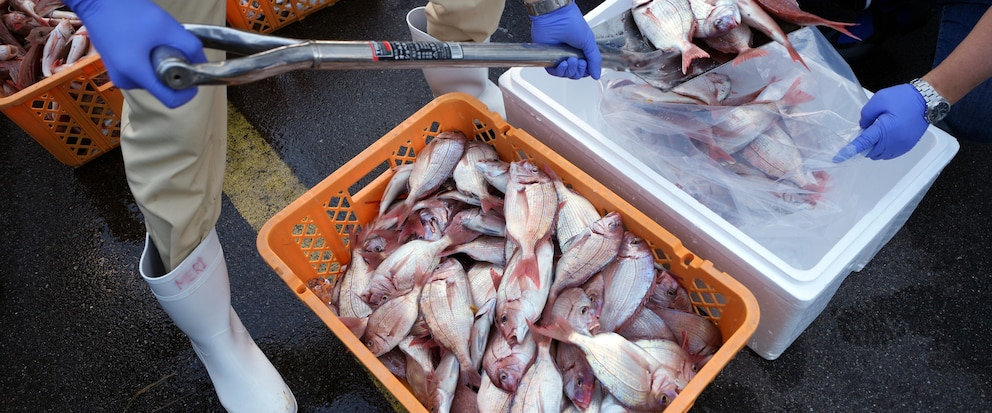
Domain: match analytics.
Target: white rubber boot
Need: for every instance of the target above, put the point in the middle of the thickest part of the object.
(197, 296)
(472, 80)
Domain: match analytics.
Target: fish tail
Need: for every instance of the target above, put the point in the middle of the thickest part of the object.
(470, 377)
(842, 27)
(692, 53)
(794, 95)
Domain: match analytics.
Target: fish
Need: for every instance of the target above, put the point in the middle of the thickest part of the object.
(391, 322)
(700, 337)
(398, 272)
(592, 251)
(485, 248)
(669, 25)
(56, 47)
(434, 165)
(737, 41)
(575, 307)
(79, 44)
(506, 363)
(668, 293)
(492, 399)
(8, 38)
(776, 154)
(496, 173)
(483, 279)
(354, 288)
(646, 325)
(714, 17)
(753, 15)
(709, 89)
(540, 390)
(490, 223)
(594, 288)
(520, 299)
(577, 375)
(625, 370)
(397, 186)
(789, 11)
(446, 302)
(419, 364)
(531, 204)
(628, 281)
(470, 180)
(28, 7)
(466, 400)
(442, 384)
(671, 355)
(576, 215)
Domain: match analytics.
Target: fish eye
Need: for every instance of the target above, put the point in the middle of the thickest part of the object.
(503, 377)
(578, 382)
(664, 399)
(583, 310)
(671, 293)
(502, 319)
(383, 299)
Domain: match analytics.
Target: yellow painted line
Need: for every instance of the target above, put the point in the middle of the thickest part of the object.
(260, 184)
(257, 180)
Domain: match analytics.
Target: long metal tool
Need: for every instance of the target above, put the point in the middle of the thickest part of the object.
(620, 42)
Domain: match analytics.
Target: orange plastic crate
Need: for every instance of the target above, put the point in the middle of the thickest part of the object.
(74, 114)
(265, 16)
(309, 239)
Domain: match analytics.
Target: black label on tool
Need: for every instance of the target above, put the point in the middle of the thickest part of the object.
(416, 51)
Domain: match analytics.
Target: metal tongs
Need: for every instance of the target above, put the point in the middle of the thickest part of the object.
(620, 42)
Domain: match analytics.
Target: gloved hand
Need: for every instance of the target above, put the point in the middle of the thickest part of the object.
(567, 26)
(125, 32)
(892, 121)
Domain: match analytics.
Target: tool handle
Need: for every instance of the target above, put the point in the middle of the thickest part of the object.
(269, 56)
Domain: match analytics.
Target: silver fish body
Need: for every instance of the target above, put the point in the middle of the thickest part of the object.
(442, 384)
(496, 173)
(592, 251)
(530, 207)
(668, 293)
(628, 280)
(577, 375)
(673, 357)
(355, 287)
(506, 363)
(576, 215)
(446, 302)
(575, 307)
(646, 324)
(492, 399)
(776, 154)
(469, 179)
(398, 273)
(56, 46)
(391, 322)
(398, 184)
(669, 25)
(540, 389)
(520, 299)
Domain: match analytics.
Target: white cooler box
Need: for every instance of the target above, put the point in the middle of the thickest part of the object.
(791, 292)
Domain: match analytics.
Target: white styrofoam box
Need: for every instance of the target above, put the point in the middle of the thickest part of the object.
(791, 291)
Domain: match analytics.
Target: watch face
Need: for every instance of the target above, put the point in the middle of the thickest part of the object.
(938, 111)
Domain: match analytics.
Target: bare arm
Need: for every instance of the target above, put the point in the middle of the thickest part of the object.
(968, 65)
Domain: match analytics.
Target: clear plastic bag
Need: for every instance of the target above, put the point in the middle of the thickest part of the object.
(752, 142)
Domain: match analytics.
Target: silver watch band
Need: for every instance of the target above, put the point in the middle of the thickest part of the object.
(540, 7)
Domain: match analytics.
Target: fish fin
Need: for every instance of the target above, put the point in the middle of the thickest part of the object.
(497, 277)
(841, 27)
(412, 227)
(556, 328)
(491, 202)
(748, 55)
(795, 56)
(692, 53)
(396, 215)
(529, 268)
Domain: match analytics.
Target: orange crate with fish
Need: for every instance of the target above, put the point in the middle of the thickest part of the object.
(266, 16)
(74, 114)
(309, 243)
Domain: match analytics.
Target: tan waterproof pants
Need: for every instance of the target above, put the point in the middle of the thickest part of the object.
(174, 159)
(464, 20)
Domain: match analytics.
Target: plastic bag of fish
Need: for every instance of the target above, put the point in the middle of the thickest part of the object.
(37, 40)
(753, 142)
(492, 286)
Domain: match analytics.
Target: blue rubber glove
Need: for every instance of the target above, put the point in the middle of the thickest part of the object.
(567, 26)
(893, 123)
(125, 32)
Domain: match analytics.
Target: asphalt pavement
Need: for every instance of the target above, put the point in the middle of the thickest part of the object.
(82, 332)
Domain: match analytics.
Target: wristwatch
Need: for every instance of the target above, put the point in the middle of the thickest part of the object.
(937, 106)
(540, 7)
